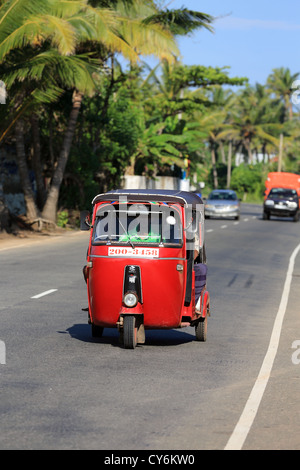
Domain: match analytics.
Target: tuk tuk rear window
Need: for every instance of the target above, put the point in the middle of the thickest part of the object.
(138, 224)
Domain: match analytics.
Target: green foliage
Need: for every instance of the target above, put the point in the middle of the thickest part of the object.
(130, 121)
(182, 21)
(201, 76)
(222, 176)
(249, 179)
(62, 219)
(106, 142)
(121, 131)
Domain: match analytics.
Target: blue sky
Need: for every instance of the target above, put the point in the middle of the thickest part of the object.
(252, 37)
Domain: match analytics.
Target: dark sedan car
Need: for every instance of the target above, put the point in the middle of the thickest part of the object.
(222, 203)
(282, 202)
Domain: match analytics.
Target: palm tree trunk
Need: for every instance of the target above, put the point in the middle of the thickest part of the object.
(222, 152)
(279, 167)
(229, 164)
(36, 161)
(50, 208)
(32, 211)
(4, 212)
(51, 151)
(130, 168)
(248, 147)
(214, 166)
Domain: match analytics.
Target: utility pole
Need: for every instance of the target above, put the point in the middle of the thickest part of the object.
(280, 153)
(229, 164)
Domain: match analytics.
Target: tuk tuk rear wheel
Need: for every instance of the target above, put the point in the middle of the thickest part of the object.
(129, 332)
(201, 329)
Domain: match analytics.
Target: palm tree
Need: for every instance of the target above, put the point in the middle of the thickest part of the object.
(210, 123)
(36, 46)
(281, 82)
(39, 58)
(253, 120)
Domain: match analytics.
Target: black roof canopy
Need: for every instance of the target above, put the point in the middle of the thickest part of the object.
(157, 195)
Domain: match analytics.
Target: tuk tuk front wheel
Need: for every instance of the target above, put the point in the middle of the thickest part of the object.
(129, 332)
(201, 329)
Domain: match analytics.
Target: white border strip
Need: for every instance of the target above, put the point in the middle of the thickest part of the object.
(43, 293)
(247, 417)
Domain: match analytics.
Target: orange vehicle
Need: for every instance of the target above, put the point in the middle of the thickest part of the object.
(282, 196)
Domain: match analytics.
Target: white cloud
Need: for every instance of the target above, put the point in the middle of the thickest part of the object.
(244, 24)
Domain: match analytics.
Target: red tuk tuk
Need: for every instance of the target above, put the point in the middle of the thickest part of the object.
(146, 266)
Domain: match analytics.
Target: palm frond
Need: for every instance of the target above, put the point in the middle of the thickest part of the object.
(109, 31)
(14, 12)
(37, 29)
(60, 32)
(68, 71)
(84, 29)
(150, 39)
(181, 21)
(68, 8)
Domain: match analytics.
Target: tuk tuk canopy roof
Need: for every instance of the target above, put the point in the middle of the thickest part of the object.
(157, 195)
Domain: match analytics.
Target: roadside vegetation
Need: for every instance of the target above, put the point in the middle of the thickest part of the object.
(84, 108)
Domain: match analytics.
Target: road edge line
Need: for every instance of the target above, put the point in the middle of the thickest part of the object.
(240, 433)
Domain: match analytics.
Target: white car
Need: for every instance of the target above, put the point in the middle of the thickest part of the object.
(222, 203)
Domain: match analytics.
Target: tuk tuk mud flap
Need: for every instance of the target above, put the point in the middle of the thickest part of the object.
(203, 303)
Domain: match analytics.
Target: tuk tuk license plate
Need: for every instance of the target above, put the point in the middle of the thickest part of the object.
(133, 252)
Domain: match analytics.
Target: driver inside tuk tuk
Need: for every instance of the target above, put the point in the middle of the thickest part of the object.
(199, 268)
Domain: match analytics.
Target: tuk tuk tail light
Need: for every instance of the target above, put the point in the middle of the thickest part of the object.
(130, 299)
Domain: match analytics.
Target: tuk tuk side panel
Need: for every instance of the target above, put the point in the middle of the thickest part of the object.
(105, 286)
(163, 293)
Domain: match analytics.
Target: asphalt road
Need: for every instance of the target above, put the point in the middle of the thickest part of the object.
(61, 389)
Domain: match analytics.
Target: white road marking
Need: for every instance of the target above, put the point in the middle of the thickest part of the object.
(246, 220)
(43, 293)
(12, 247)
(240, 433)
(223, 226)
(235, 223)
(209, 230)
